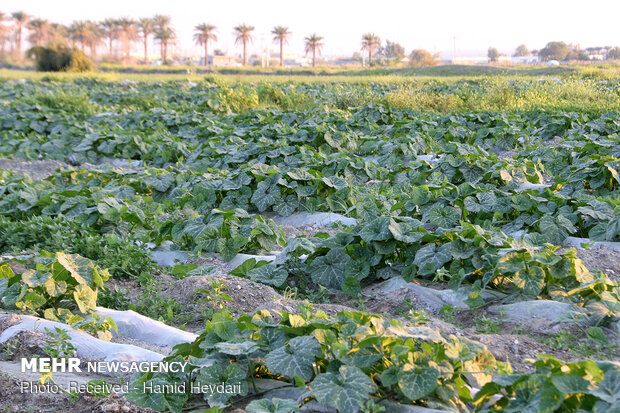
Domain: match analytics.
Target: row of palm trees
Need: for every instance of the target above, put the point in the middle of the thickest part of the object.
(90, 34)
(205, 33)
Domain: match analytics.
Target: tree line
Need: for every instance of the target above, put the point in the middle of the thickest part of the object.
(89, 35)
(118, 34)
(557, 50)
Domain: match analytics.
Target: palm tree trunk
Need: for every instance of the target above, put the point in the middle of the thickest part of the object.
(146, 55)
(281, 52)
(110, 45)
(19, 40)
(314, 57)
(245, 57)
(207, 54)
(369, 56)
(162, 53)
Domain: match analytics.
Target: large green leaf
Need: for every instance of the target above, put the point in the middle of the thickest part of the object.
(377, 230)
(430, 258)
(268, 274)
(444, 217)
(273, 405)
(345, 390)
(329, 270)
(286, 206)
(609, 388)
(418, 383)
(3, 286)
(215, 374)
(571, 384)
(295, 358)
(530, 279)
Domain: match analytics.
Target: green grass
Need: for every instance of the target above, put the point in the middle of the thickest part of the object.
(443, 89)
(115, 72)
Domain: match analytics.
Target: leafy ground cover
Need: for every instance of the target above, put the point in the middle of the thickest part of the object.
(471, 186)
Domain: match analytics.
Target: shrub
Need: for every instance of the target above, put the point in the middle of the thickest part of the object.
(60, 58)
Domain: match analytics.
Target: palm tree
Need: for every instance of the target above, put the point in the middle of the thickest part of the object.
(146, 26)
(20, 19)
(281, 35)
(164, 33)
(165, 36)
(80, 32)
(127, 33)
(314, 44)
(40, 31)
(4, 33)
(204, 34)
(94, 37)
(110, 31)
(244, 35)
(370, 42)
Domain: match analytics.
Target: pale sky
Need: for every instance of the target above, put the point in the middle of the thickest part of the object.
(477, 24)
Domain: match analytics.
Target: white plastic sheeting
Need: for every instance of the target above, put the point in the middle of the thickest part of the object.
(318, 219)
(136, 326)
(241, 258)
(524, 311)
(433, 299)
(528, 185)
(88, 347)
(576, 242)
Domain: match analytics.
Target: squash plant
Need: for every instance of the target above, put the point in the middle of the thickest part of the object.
(61, 287)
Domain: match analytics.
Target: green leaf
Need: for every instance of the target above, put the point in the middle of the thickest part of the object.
(345, 390)
(335, 182)
(609, 388)
(530, 279)
(223, 325)
(34, 300)
(274, 405)
(286, 206)
(3, 286)
(12, 295)
(351, 287)
(146, 399)
(214, 374)
(601, 211)
(329, 270)
(36, 278)
(430, 258)
(295, 358)
(418, 383)
(419, 195)
(377, 230)
(237, 348)
(444, 217)
(268, 274)
(570, 383)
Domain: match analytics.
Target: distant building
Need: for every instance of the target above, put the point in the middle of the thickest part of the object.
(470, 61)
(220, 61)
(597, 53)
(525, 60)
